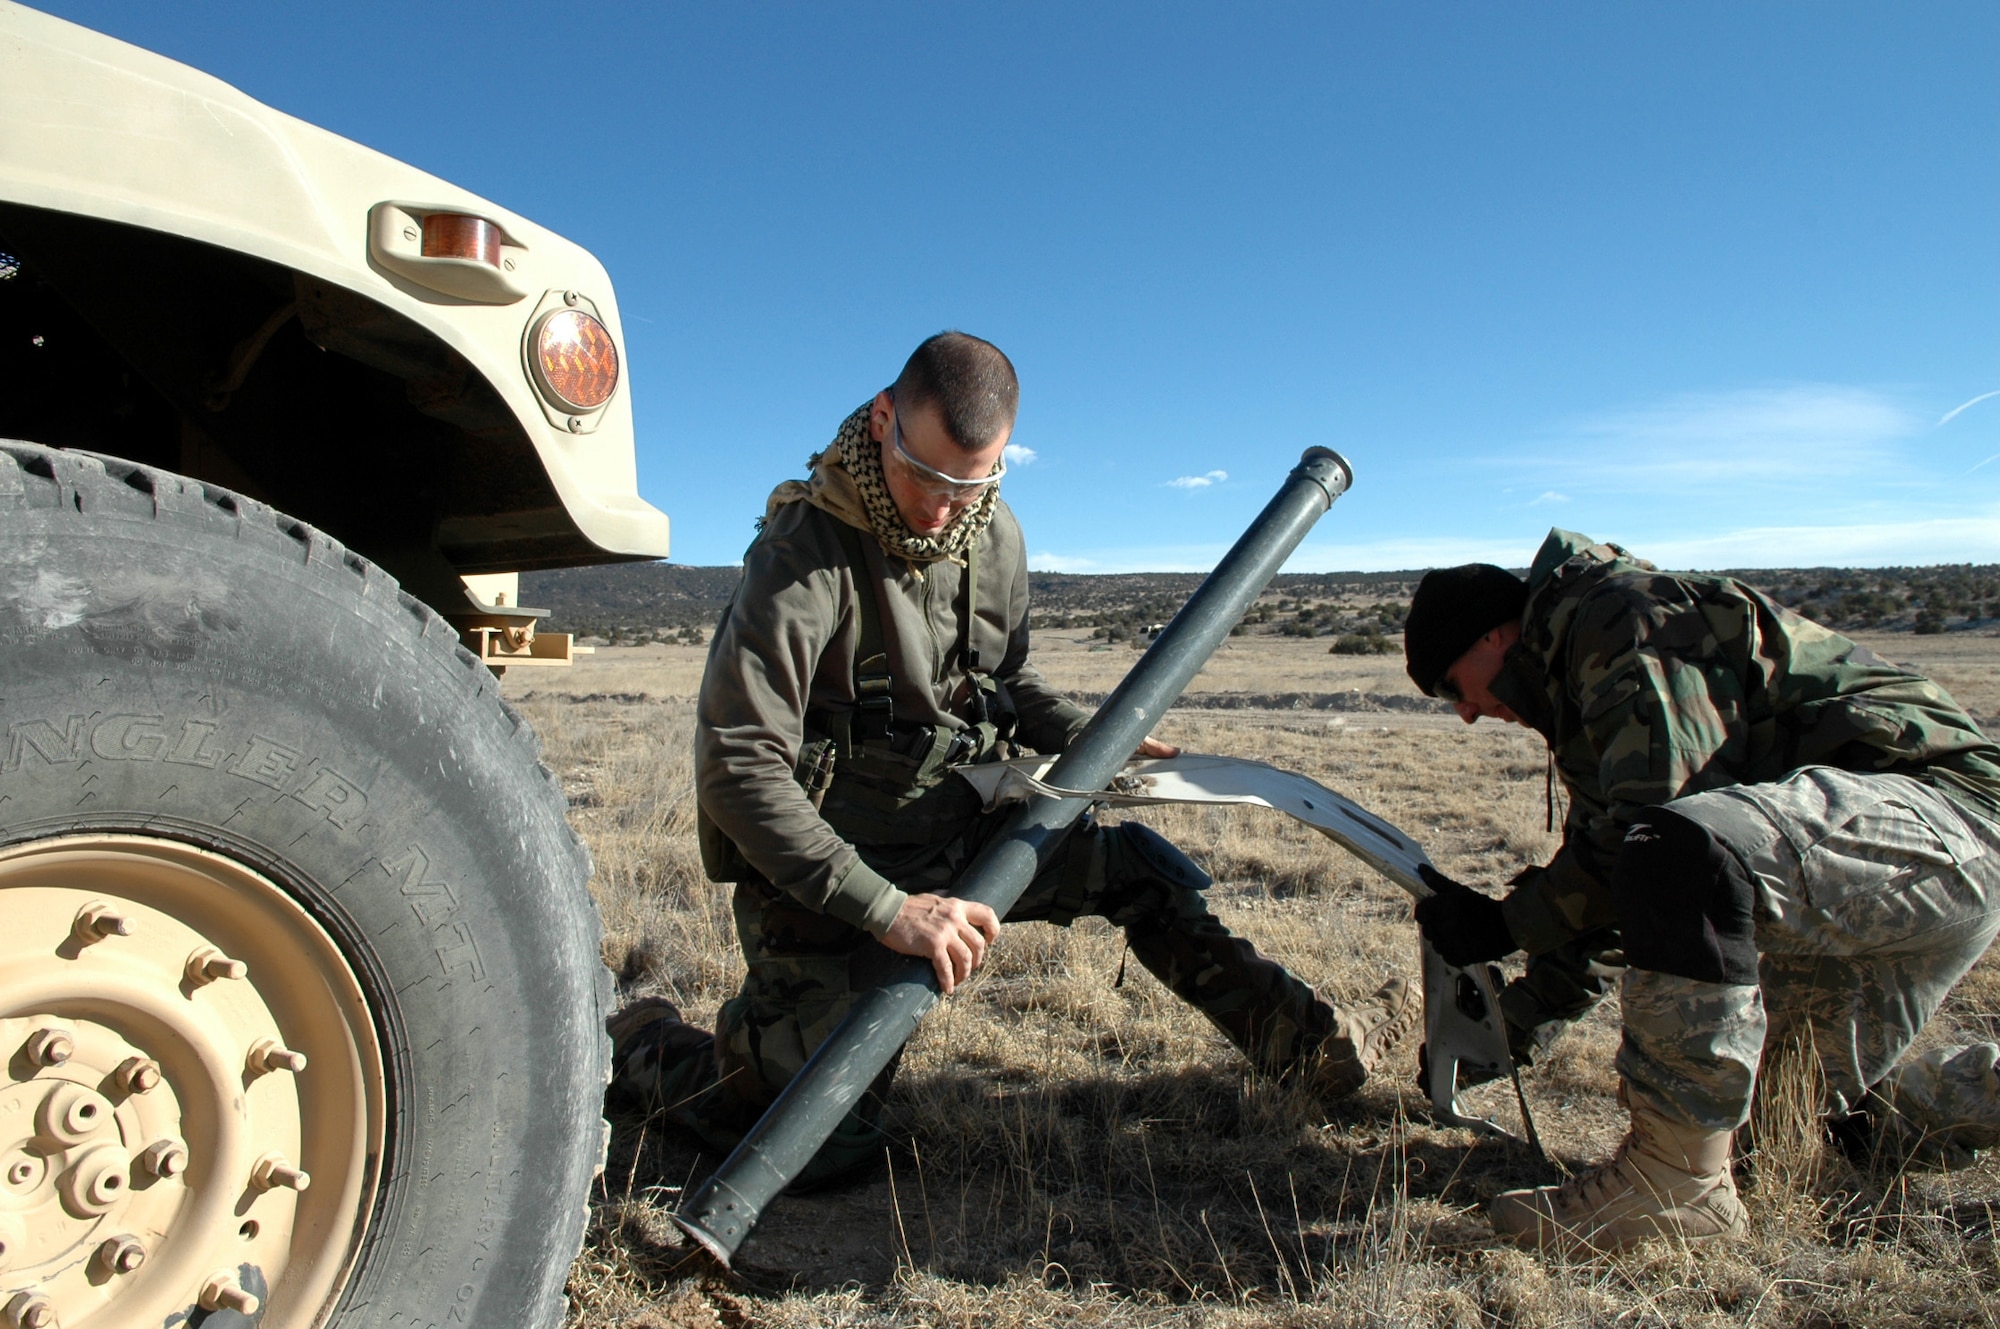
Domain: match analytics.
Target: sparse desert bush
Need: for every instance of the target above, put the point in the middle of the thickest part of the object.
(1080, 1148)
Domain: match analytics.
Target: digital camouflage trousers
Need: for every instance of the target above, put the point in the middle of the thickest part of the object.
(805, 969)
(1874, 895)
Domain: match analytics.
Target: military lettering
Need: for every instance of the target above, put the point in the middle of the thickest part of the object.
(54, 746)
(268, 762)
(430, 901)
(334, 794)
(192, 747)
(132, 737)
(457, 951)
(129, 737)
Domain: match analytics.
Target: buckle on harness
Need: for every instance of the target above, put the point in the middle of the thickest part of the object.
(874, 718)
(965, 743)
(874, 702)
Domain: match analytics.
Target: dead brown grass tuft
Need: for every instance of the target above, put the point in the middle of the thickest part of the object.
(1085, 1151)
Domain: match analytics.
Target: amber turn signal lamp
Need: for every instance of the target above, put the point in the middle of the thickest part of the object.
(457, 235)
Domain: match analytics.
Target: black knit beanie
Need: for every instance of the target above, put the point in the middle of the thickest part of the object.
(1452, 609)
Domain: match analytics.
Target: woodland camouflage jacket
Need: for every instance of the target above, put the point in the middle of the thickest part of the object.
(1651, 685)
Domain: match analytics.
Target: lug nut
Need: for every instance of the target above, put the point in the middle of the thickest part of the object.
(121, 1254)
(98, 920)
(164, 1158)
(268, 1054)
(30, 1310)
(137, 1075)
(275, 1170)
(21, 1172)
(208, 964)
(223, 1292)
(51, 1046)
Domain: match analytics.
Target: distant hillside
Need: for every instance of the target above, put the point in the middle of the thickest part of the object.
(1362, 610)
(642, 592)
(669, 600)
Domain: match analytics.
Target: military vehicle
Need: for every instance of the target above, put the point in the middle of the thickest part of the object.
(300, 992)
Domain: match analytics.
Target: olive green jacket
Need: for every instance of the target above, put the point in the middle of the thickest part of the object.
(1651, 685)
(787, 646)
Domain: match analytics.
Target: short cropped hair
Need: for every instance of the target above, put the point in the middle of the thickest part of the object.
(971, 382)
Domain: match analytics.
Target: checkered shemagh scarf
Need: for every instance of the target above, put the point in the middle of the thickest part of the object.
(854, 451)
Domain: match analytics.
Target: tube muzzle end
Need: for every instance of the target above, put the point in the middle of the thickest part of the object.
(718, 1217)
(1328, 469)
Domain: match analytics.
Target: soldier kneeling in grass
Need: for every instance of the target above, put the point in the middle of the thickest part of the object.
(879, 638)
(1787, 834)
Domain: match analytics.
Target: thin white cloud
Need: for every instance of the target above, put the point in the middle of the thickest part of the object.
(1138, 558)
(1972, 538)
(1017, 455)
(1917, 543)
(1198, 481)
(1379, 556)
(1790, 476)
(1046, 562)
(1701, 441)
(1402, 552)
(1962, 407)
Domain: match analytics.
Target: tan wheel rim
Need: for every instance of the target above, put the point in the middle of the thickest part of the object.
(191, 1113)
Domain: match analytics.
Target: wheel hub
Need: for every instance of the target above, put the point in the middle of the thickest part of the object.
(191, 1111)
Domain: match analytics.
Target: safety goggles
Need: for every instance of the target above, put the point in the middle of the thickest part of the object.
(935, 483)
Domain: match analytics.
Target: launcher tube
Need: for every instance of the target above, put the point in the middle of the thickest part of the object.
(721, 1211)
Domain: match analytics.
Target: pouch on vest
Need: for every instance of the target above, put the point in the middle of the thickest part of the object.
(721, 860)
(902, 791)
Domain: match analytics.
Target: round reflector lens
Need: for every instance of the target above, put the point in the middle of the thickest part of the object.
(576, 360)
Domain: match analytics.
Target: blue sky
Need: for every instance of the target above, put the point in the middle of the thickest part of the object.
(1720, 282)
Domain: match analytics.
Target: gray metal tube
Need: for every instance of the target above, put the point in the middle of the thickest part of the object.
(723, 1209)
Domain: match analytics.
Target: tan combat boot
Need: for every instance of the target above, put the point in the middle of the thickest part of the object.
(1667, 1179)
(1362, 1036)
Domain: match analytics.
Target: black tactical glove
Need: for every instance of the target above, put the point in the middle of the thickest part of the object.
(1464, 925)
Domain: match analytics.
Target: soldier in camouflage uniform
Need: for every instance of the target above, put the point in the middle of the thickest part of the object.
(1789, 836)
(878, 638)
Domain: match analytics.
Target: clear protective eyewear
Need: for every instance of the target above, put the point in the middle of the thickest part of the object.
(936, 483)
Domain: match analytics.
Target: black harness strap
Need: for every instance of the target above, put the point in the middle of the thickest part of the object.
(966, 650)
(874, 714)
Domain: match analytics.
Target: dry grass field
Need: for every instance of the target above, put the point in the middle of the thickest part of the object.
(1078, 1150)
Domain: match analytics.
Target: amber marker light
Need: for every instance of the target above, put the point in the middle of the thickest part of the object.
(576, 360)
(457, 235)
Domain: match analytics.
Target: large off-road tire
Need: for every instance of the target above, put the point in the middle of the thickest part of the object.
(284, 890)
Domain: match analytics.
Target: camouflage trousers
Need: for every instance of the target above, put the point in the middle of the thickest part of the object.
(805, 970)
(1874, 895)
